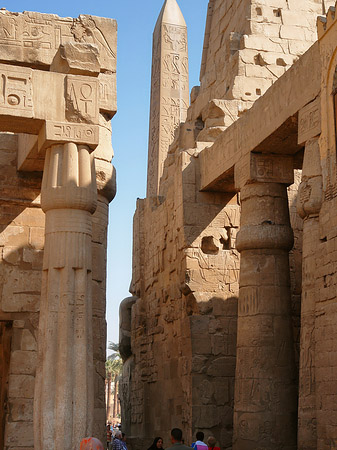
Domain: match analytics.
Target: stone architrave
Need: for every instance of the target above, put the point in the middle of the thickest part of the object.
(265, 384)
(169, 89)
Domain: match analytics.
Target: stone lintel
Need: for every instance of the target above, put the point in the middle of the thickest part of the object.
(264, 168)
(264, 127)
(36, 95)
(309, 121)
(56, 107)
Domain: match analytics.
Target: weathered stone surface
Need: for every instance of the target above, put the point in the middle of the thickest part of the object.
(19, 435)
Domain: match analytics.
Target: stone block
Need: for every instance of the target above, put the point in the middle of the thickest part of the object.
(292, 32)
(261, 43)
(7, 157)
(21, 292)
(21, 386)
(23, 362)
(12, 255)
(19, 435)
(205, 416)
(30, 217)
(222, 367)
(298, 47)
(219, 345)
(293, 18)
(36, 237)
(21, 410)
(33, 257)
(14, 236)
(98, 262)
(28, 341)
(76, 58)
(221, 391)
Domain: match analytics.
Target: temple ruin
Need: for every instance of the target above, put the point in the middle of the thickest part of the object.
(58, 95)
(231, 327)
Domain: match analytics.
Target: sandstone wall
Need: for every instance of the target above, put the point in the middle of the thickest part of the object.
(21, 247)
(249, 44)
(186, 278)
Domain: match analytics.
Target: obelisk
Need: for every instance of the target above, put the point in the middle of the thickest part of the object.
(169, 88)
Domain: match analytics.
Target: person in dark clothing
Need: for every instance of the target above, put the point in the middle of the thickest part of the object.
(157, 444)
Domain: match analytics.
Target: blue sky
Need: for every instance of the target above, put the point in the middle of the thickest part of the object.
(136, 20)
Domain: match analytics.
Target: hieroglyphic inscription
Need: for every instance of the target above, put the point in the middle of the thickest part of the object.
(22, 33)
(271, 169)
(107, 93)
(248, 303)
(174, 38)
(81, 99)
(309, 121)
(264, 168)
(59, 132)
(169, 96)
(16, 91)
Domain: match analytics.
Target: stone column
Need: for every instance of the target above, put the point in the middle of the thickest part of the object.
(265, 406)
(106, 190)
(309, 204)
(63, 409)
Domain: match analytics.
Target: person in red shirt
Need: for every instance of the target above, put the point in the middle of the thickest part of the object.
(91, 443)
(211, 441)
(108, 435)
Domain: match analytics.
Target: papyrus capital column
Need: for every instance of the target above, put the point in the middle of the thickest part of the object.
(265, 406)
(63, 409)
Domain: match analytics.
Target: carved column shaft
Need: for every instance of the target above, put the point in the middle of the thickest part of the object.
(63, 410)
(309, 203)
(265, 406)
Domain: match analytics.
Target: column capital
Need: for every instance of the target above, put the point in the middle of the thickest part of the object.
(265, 224)
(69, 179)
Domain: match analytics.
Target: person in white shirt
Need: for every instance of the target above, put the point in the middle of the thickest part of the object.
(199, 444)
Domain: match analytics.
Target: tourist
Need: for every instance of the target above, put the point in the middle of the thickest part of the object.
(108, 436)
(117, 443)
(157, 444)
(211, 441)
(176, 439)
(124, 441)
(199, 444)
(91, 443)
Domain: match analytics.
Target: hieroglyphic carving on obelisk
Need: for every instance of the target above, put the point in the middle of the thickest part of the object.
(169, 88)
